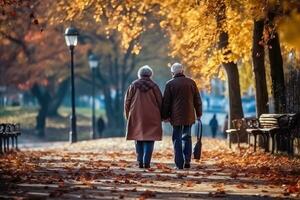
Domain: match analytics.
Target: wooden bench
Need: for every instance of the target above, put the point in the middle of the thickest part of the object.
(292, 130)
(238, 126)
(271, 126)
(9, 133)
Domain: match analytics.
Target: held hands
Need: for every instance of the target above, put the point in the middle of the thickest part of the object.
(199, 118)
(166, 120)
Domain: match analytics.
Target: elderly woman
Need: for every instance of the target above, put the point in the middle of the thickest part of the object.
(142, 107)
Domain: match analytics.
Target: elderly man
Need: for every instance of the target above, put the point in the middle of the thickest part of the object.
(181, 102)
(142, 109)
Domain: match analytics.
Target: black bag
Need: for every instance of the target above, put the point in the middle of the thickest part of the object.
(198, 145)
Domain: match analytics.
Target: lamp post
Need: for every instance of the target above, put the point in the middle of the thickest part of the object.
(71, 36)
(93, 62)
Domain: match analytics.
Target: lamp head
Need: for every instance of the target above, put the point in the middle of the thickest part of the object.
(71, 36)
(93, 61)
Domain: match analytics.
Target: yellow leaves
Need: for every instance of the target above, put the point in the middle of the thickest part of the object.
(124, 17)
(191, 26)
(239, 28)
(98, 13)
(289, 30)
(246, 76)
(136, 49)
(273, 3)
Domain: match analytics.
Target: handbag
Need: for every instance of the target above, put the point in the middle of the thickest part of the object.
(198, 146)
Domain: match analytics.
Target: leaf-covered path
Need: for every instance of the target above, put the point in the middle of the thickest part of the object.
(106, 169)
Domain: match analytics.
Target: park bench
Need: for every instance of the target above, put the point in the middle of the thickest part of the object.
(292, 131)
(238, 126)
(277, 127)
(9, 136)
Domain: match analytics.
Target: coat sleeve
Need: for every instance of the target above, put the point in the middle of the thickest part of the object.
(166, 105)
(127, 101)
(197, 101)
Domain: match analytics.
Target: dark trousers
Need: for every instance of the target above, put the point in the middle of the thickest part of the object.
(144, 151)
(182, 142)
(214, 132)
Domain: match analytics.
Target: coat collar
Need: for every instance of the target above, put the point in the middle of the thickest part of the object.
(145, 78)
(178, 75)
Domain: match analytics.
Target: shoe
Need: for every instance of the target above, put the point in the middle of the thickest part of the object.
(178, 168)
(147, 166)
(187, 165)
(141, 165)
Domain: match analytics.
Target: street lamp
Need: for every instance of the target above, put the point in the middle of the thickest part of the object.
(93, 62)
(71, 36)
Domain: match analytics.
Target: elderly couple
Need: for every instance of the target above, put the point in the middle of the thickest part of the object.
(145, 109)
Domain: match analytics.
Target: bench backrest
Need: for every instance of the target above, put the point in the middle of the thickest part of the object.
(9, 128)
(2, 128)
(251, 123)
(268, 122)
(238, 124)
(276, 121)
(6, 128)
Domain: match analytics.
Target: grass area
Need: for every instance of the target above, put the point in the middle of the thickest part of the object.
(24, 116)
(82, 111)
(57, 128)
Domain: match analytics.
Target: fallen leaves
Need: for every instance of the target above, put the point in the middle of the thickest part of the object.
(293, 188)
(242, 186)
(163, 167)
(189, 183)
(147, 194)
(118, 174)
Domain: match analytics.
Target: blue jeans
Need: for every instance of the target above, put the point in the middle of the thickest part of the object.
(182, 142)
(144, 151)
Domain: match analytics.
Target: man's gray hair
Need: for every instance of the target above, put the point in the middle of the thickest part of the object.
(177, 68)
(145, 71)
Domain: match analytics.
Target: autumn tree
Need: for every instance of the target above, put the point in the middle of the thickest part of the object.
(118, 34)
(36, 59)
(199, 37)
(117, 69)
(235, 101)
(193, 29)
(204, 35)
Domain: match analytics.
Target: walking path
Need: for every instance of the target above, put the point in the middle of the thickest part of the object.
(106, 169)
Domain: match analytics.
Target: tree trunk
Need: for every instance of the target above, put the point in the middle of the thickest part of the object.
(278, 84)
(58, 98)
(276, 65)
(235, 101)
(41, 121)
(258, 58)
(277, 74)
(43, 99)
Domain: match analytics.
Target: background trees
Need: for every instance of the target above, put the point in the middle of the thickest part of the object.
(35, 58)
(195, 27)
(123, 39)
(212, 38)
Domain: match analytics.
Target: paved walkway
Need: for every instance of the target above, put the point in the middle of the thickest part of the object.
(106, 169)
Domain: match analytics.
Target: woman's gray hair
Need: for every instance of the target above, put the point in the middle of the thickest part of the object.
(145, 71)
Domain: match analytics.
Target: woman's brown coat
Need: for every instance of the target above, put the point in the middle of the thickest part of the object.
(142, 108)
